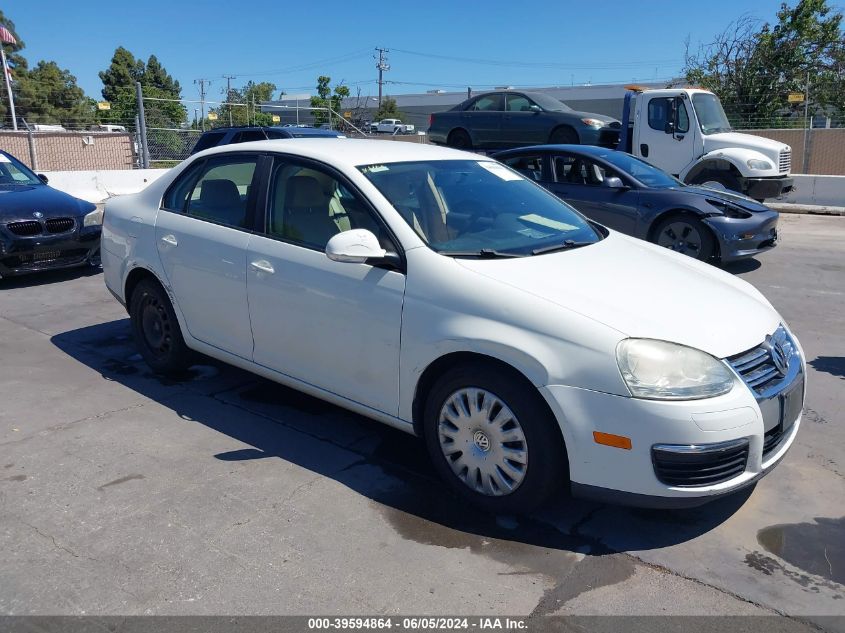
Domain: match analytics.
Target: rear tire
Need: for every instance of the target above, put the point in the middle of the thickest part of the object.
(459, 139)
(156, 329)
(564, 136)
(493, 440)
(687, 235)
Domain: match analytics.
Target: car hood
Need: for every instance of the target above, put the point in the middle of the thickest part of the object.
(20, 203)
(724, 140)
(737, 199)
(642, 290)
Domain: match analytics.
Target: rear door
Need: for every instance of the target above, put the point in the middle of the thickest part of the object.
(483, 120)
(580, 181)
(202, 234)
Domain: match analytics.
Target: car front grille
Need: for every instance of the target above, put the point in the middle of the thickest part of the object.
(25, 229)
(699, 465)
(785, 161)
(59, 225)
(757, 366)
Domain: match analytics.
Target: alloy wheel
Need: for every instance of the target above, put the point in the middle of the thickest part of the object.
(681, 237)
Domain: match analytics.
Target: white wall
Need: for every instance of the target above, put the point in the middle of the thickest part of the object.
(828, 191)
(96, 186)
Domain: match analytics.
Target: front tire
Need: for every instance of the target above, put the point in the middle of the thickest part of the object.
(493, 440)
(719, 180)
(687, 235)
(156, 329)
(563, 136)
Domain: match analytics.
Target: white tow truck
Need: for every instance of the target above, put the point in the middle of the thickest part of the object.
(685, 132)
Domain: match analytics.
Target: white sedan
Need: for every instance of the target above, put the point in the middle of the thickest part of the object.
(442, 293)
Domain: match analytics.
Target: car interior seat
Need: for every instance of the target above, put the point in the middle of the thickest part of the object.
(305, 212)
(220, 200)
(576, 175)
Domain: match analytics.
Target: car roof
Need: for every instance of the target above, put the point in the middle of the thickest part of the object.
(349, 152)
(589, 150)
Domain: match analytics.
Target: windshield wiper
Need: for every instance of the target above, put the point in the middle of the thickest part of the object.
(560, 247)
(484, 253)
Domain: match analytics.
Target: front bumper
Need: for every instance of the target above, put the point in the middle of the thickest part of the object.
(763, 188)
(23, 255)
(631, 477)
(740, 238)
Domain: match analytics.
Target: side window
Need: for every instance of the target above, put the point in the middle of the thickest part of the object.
(209, 139)
(668, 109)
(249, 135)
(176, 197)
(519, 103)
(681, 116)
(658, 113)
(529, 166)
(487, 103)
(308, 207)
(222, 190)
(563, 164)
(582, 171)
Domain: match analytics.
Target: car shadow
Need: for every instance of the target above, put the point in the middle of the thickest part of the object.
(833, 365)
(383, 464)
(742, 266)
(48, 277)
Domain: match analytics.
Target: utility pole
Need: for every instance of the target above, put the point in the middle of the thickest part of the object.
(229, 79)
(202, 83)
(382, 66)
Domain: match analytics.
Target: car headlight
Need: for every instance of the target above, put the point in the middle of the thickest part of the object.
(95, 218)
(593, 122)
(659, 370)
(759, 164)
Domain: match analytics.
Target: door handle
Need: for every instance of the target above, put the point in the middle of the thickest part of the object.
(679, 137)
(263, 266)
(169, 239)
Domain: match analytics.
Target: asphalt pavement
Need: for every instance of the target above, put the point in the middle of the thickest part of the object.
(124, 493)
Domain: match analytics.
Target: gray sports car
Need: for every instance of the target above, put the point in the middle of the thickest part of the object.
(630, 195)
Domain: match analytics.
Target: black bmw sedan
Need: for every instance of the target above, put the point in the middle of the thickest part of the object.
(630, 195)
(42, 228)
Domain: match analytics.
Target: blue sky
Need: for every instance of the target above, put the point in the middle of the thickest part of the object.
(554, 42)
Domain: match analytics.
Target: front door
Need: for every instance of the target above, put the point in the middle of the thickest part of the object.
(582, 183)
(667, 139)
(521, 125)
(333, 325)
(202, 237)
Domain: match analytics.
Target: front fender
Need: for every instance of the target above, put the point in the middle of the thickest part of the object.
(720, 159)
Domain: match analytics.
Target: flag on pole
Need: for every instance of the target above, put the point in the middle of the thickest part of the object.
(6, 36)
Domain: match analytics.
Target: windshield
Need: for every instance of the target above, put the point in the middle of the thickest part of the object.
(13, 172)
(646, 173)
(711, 116)
(478, 208)
(548, 103)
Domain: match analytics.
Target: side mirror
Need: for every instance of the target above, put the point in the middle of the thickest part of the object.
(355, 247)
(535, 108)
(43, 178)
(613, 182)
(669, 128)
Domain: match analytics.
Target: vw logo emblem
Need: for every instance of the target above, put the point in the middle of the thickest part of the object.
(778, 354)
(481, 441)
(38, 215)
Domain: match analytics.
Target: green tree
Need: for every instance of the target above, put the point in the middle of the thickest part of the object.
(326, 99)
(252, 94)
(49, 94)
(388, 110)
(753, 66)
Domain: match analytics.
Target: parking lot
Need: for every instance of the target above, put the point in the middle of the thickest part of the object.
(124, 493)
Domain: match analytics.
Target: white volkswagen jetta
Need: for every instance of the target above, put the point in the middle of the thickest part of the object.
(444, 294)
